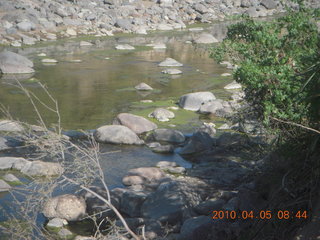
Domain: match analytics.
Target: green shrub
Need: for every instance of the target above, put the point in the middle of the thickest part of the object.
(279, 65)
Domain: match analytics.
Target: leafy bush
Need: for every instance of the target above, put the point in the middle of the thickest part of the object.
(279, 65)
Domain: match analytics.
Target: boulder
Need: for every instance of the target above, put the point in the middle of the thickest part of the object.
(131, 203)
(4, 186)
(196, 228)
(162, 114)
(233, 85)
(125, 24)
(172, 71)
(143, 87)
(14, 63)
(205, 38)
(40, 168)
(26, 26)
(193, 101)
(269, 4)
(170, 62)
(116, 134)
(168, 135)
(16, 163)
(199, 142)
(171, 202)
(69, 207)
(136, 123)
(211, 107)
(124, 47)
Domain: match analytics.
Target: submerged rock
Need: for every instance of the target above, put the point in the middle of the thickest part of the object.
(170, 62)
(135, 123)
(124, 47)
(68, 206)
(143, 87)
(172, 71)
(11, 62)
(205, 38)
(116, 134)
(193, 101)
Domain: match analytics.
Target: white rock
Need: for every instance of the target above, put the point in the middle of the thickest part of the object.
(226, 74)
(233, 85)
(157, 45)
(40, 168)
(71, 32)
(49, 60)
(85, 43)
(10, 126)
(124, 47)
(170, 62)
(196, 29)
(10, 178)
(224, 126)
(12, 163)
(57, 223)
(164, 27)
(42, 55)
(205, 38)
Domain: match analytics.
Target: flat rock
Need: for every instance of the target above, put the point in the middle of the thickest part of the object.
(71, 32)
(10, 178)
(10, 126)
(233, 85)
(49, 60)
(16, 163)
(143, 87)
(124, 47)
(193, 101)
(57, 223)
(166, 164)
(172, 71)
(149, 174)
(40, 168)
(162, 114)
(85, 43)
(116, 134)
(67, 206)
(170, 62)
(205, 38)
(4, 186)
(164, 27)
(163, 149)
(11, 62)
(158, 45)
(168, 135)
(136, 123)
(226, 74)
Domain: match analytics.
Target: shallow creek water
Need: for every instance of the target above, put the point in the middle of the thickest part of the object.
(92, 92)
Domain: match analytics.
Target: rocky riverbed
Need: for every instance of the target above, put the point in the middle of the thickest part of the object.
(29, 21)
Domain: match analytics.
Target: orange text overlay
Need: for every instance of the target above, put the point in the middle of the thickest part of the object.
(263, 214)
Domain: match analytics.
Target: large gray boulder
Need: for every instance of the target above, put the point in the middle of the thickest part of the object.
(26, 26)
(11, 62)
(193, 101)
(168, 135)
(171, 202)
(69, 207)
(199, 142)
(136, 123)
(40, 168)
(116, 134)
